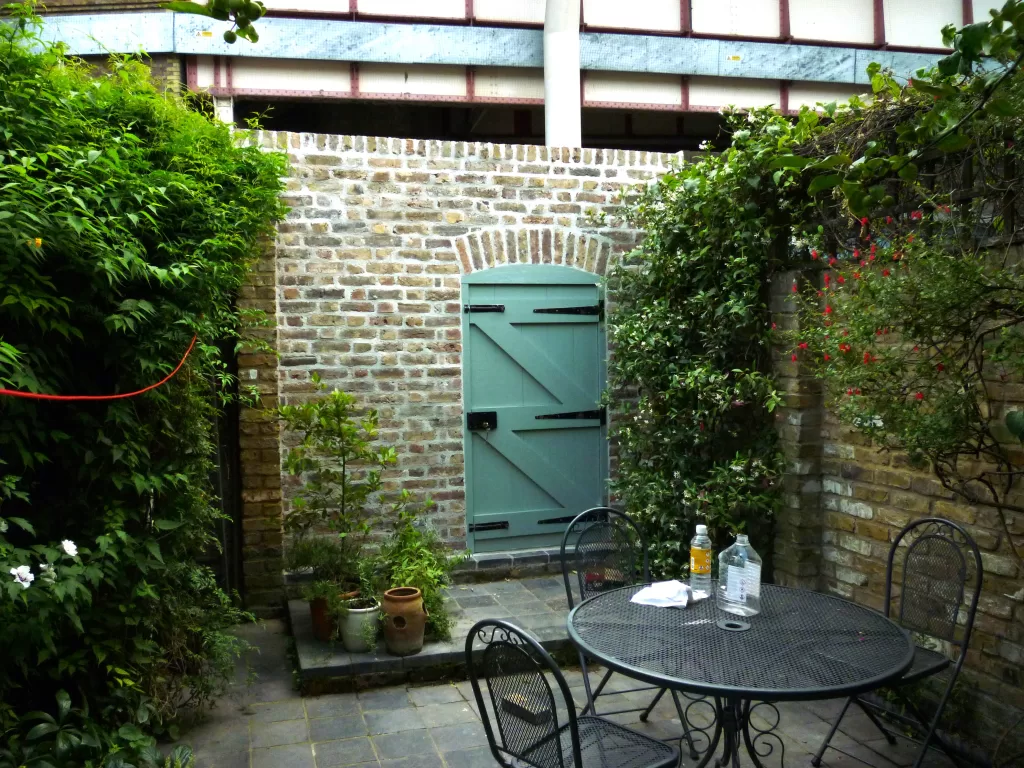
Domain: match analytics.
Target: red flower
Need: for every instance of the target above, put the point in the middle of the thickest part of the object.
(828, 309)
(844, 348)
(827, 278)
(885, 330)
(910, 238)
(846, 332)
(919, 396)
(863, 263)
(864, 221)
(916, 215)
(896, 256)
(867, 357)
(820, 294)
(794, 286)
(827, 358)
(917, 349)
(856, 275)
(773, 326)
(856, 391)
(849, 391)
(888, 219)
(885, 273)
(814, 254)
(873, 248)
(802, 345)
(940, 367)
(832, 261)
(793, 358)
(856, 253)
(871, 257)
(878, 332)
(841, 279)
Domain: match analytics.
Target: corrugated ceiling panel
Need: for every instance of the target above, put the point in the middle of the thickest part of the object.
(433, 9)
(518, 11)
(732, 91)
(846, 21)
(291, 75)
(629, 88)
(919, 23)
(509, 83)
(661, 15)
(982, 8)
(412, 80)
(810, 94)
(204, 71)
(750, 18)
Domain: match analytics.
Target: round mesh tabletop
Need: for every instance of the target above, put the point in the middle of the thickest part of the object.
(803, 645)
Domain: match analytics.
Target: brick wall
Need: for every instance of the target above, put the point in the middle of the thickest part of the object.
(368, 269)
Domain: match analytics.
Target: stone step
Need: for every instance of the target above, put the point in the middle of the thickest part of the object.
(536, 604)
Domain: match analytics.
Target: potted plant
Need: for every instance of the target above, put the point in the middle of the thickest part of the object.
(359, 620)
(338, 468)
(410, 571)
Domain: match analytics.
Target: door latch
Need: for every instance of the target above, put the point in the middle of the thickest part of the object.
(482, 420)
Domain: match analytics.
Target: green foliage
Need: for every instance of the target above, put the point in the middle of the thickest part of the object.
(917, 326)
(241, 14)
(340, 468)
(69, 738)
(690, 331)
(128, 223)
(413, 555)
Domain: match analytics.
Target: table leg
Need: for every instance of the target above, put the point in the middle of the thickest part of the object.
(762, 742)
(734, 729)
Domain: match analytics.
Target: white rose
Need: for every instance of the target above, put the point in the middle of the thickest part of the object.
(69, 547)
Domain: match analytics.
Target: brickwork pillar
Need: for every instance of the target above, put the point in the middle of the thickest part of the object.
(259, 443)
(798, 531)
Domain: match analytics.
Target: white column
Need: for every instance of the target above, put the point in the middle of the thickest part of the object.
(562, 74)
(224, 108)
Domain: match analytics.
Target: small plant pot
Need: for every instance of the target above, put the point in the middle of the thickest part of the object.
(405, 622)
(358, 626)
(324, 621)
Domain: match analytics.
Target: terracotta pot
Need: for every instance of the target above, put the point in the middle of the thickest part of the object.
(406, 620)
(323, 621)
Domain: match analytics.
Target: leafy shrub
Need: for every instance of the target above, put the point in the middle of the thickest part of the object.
(413, 555)
(128, 223)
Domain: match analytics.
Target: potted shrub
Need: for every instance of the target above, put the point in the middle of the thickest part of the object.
(339, 468)
(410, 571)
(359, 618)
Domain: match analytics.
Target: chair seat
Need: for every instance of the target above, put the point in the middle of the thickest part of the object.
(604, 744)
(925, 664)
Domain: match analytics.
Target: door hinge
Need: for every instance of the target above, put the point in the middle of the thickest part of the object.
(470, 308)
(598, 413)
(478, 527)
(482, 420)
(592, 309)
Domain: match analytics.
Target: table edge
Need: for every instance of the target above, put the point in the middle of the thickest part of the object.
(729, 691)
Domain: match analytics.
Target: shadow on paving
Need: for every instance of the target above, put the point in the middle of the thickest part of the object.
(269, 725)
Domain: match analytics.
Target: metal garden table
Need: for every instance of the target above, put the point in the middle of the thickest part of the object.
(802, 646)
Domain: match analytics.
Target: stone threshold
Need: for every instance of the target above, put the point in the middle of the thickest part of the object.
(536, 604)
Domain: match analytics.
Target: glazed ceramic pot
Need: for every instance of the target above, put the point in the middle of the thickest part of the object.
(358, 625)
(405, 622)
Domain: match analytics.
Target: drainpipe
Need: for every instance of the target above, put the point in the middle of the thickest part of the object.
(562, 74)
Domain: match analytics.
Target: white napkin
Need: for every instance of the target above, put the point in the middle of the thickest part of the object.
(665, 594)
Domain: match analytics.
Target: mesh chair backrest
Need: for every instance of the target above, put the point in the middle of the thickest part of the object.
(935, 573)
(609, 552)
(512, 664)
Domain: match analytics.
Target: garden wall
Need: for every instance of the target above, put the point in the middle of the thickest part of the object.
(365, 286)
(846, 500)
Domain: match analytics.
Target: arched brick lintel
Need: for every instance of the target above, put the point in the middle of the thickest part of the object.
(487, 248)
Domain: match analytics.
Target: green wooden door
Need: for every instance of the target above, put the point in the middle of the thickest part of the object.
(533, 373)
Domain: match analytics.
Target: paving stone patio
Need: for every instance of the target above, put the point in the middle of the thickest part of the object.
(269, 725)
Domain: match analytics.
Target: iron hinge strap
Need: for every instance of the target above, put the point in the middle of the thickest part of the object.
(590, 309)
(471, 308)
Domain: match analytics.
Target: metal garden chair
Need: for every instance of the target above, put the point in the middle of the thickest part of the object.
(518, 673)
(608, 550)
(938, 556)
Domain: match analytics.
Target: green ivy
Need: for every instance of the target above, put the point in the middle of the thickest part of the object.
(128, 225)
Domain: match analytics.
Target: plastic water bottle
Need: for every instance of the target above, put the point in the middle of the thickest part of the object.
(739, 578)
(700, 561)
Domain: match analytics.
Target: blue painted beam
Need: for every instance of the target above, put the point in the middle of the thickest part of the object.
(337, 40)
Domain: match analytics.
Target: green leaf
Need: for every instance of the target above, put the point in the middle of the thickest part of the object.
(1000, 107)
(954, 142)
(790, 161)
(130, 732)
(63, 705)
(950, 65)
(908, 172)
(182, 6)
(821, 183)
(154, 549)
(167, 525)
(22, 523)
(43, 729)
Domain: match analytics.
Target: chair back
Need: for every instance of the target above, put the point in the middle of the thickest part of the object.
(608, 551)
(513, 665)
(939, 561)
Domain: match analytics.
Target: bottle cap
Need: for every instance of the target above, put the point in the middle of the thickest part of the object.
(702, 530)
(741, 538)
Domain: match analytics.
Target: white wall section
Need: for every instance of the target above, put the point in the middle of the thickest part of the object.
(412, 81)
(747, 18)
(562, 113)
(660, 15)
(846, 21)
(721, 92)
(628, 88)
(919, 23)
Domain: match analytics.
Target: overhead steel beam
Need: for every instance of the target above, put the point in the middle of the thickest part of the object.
(337, 40)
